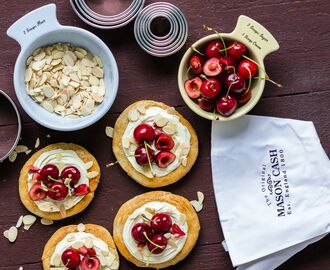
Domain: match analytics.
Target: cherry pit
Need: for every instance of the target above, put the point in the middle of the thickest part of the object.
(49, 182)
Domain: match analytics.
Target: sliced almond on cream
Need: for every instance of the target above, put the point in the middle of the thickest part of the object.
(77, 245)
(161, 121)
(172, 243)
(92, 174)
(169, 129)
(141, 109)
(89, 165)
(89, 243)
(57, 261)
(133, 115)
(184, 161)
(126, 142)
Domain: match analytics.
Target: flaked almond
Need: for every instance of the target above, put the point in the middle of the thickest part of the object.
(12, 157)
(97, 72)
(89, 243)
(200, 196)
(37, 143)
(46, 222)
(19, 222)
(81, 227)
(71, 238)
(29, 219)
(12, 234)
(109, 131)
(28, 75)
(110, 259)
(92, 174)
(161, 121)
(114, 265)
(184, 161)
(168, 235)
(28, 152)
(103, 260)
(5, 233)
(21, 148)
(171, 110)
(62, 210)
(77, 245)
(38, 65)
(89, 165)
(198, 206)
(169, 129)
(182, 219)
(133, 115)
(141, 109)
(172, 243)
(56, 258)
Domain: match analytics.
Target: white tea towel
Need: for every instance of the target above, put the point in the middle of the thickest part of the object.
(271, 179)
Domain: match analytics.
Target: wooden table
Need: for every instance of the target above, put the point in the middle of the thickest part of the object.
(302, 65)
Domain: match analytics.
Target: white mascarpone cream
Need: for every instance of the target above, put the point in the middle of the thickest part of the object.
(143, 254)
(79, 239)
(61, 158)
(181, 138)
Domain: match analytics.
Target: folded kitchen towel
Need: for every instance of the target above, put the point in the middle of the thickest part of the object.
(271, 179)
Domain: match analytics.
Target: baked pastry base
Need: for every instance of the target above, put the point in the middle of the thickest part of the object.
(93, 182)
(156, 182)
(94, 229)
(181, 203)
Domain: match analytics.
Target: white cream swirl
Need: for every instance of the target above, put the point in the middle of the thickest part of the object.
(144, 255)
(181, 139)
(102, 250)
(61, 158)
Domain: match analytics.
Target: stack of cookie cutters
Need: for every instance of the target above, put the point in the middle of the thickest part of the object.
(91, 17)
(161, 29)
(10, 126)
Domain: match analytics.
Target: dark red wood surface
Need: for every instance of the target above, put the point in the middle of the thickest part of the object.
(302, 65)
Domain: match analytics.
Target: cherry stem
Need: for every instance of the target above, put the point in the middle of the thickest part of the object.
(188, 70)
(197, 51)
(204, 77)
(267, 78)
(149, 160)
(250, 78)
(143, 215)
(215, 31)
(229, 89)
(53, 179)
(230, 67)
(223, 50)
(157, 246)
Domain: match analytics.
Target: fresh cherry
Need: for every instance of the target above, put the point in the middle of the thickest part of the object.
(72, 173)
(196, 64)
(164, 159)
(90, 263)
(81, 190)
(210, 88)
(244, 97)
(144, 133)
(70, 258)
(160, 240)
(37, 193)
(161, 222)
(213, 49)
(226, 105)
(206, 104)
(91, 252)
(228, 63)
(33, 168)
(212, 67)
(193, 87)
(57, 191)
(36, 177)
(236, 50)
(141, 155)
(244, 66)
(139, 230)
(176, 230)
(236, 83)
(164, 142)
(47, 172)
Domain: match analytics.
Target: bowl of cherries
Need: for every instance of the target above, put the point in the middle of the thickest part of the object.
(222, 76)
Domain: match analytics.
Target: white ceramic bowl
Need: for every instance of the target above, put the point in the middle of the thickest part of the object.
(259, 42)
(40, 28)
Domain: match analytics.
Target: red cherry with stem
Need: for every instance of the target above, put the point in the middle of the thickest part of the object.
(157, 244)
(212, 67)
(144, 132)
(70, 258)
(206, 104)
(139, 230)
(176, 230)
(164, 158)
(244, 97)
(164, 142)
(57, 191)
(81, 190)
(37, 193)
(213, 49)
(235, 82)
(236, 50)
(141, 156)
(210, 88)
(161, 222)
(193, 87)
(72, 173)
(247, 68)
(226, 105)
(196, 63)
(90, 263)
(228, 63)
(47, 172)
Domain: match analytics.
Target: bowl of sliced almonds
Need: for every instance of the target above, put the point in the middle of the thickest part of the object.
(65, 77)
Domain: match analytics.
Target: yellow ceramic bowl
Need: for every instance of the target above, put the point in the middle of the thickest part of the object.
(259, 43)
